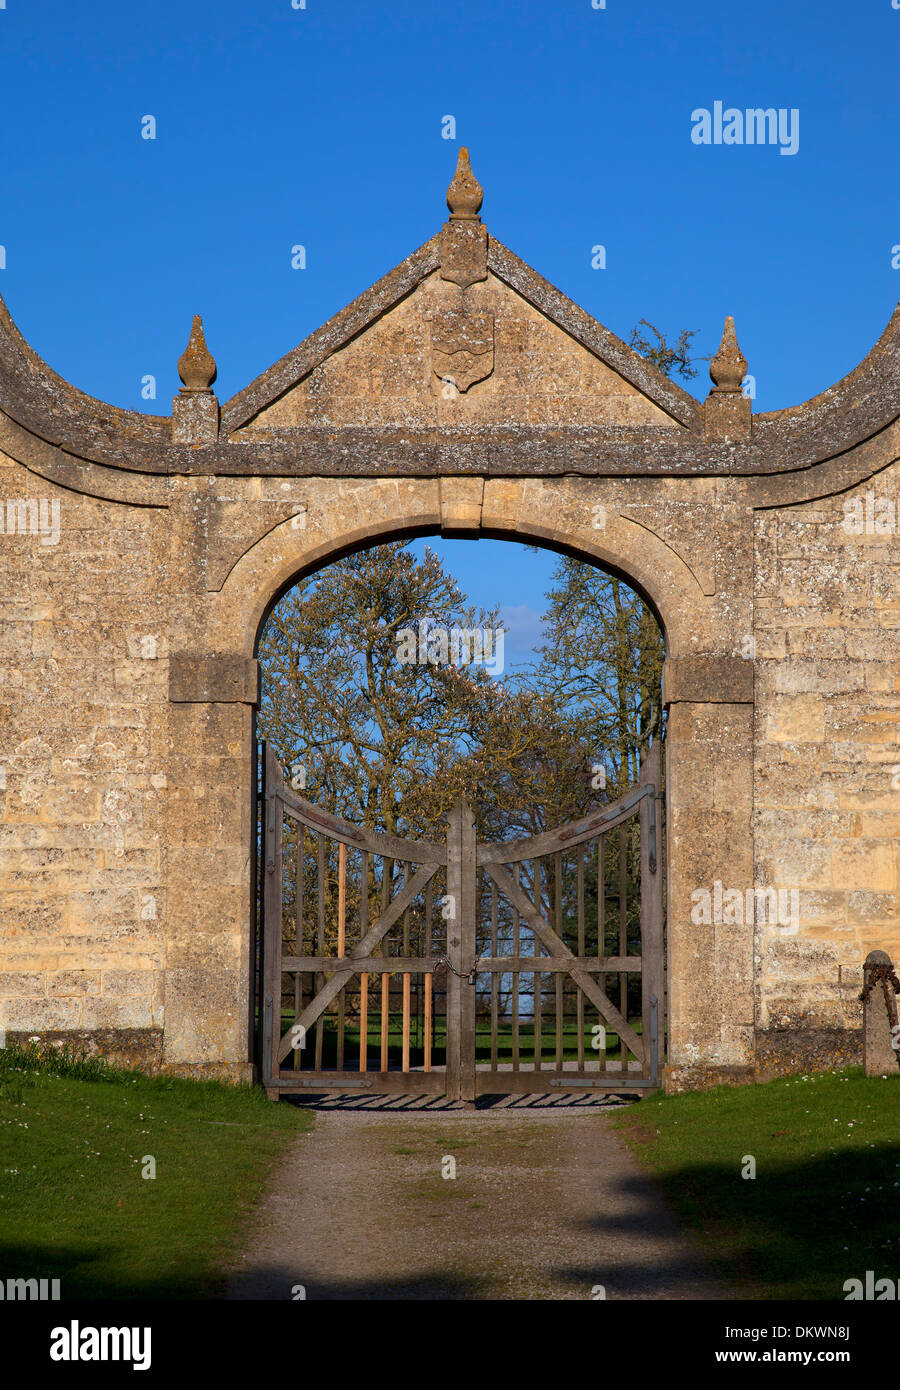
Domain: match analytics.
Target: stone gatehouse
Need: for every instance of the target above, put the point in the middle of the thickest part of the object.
(461, 395)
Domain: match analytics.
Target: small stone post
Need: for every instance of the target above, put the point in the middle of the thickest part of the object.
(880, 988)
(727, 411)
(464, 238)
(195, 410)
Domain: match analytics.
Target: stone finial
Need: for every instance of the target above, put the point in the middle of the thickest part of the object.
(196, 365)
(465, 194)
(727, 413)
(729, 366)
(195, 410)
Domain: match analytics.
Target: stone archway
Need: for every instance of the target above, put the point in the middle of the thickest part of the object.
(460, 394)
(709, 700)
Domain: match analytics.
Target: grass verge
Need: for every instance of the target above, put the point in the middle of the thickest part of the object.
(823, 1206)
(75, 1137)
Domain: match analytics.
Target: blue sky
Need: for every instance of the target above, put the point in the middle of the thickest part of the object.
(511, 576)
(323, 127)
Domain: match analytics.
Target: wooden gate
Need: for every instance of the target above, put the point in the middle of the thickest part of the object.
(459, 968)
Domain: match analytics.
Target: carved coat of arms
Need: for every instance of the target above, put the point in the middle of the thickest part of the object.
(462, 347)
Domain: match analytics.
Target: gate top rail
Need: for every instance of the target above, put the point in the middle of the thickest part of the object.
(376, 842)
(566, 836)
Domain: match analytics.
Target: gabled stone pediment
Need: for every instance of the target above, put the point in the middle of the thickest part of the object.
(461, 360)
(419, 350)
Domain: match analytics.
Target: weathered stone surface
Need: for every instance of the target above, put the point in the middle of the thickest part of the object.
(527, 370)
(462, 500)
(195, 418)
(727, 417)
(224, 679)
(787, 1051)
(881, 1043)
(464, 253)
(121, 1047)
(704, 680)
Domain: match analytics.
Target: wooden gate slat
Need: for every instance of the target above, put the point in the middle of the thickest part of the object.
(516, 944)
(623, 913)
(404, 1066)
(414, 965)
(426, 1039)
(495, 980)
(548, 936)
(537, 980)
(363, 1021)
(461, 950)
(558, 1051)
(298, 934)
(504, 964)
(381, 927)
(537, 1050)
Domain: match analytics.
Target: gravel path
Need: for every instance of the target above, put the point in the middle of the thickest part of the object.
(543, 1205)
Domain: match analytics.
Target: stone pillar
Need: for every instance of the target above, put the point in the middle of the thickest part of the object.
(211, 701)
(709, 787)
(879, 1015)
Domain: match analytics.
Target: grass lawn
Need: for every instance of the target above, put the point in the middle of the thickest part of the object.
(74, 1204)
(823, 1207)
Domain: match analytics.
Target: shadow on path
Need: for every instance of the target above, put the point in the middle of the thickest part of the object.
(508, 1204)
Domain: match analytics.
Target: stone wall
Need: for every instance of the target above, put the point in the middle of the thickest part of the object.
(83, 768)
(126, 810)
(827, 720)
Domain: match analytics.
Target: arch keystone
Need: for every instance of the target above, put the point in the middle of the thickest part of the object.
(462, 500)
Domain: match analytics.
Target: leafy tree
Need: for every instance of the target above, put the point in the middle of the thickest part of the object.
(602, 665)
(373, 734)
(602, 662)
(669, 358)
(391, 744)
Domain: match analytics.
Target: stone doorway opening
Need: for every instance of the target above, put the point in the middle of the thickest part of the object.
(389, 700)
